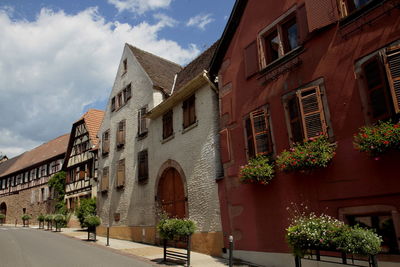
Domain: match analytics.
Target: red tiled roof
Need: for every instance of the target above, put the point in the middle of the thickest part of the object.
(93, 119)
(51, 149)
(161, 71)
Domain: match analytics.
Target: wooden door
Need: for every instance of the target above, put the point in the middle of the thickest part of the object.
(3, 210)
(171, 194)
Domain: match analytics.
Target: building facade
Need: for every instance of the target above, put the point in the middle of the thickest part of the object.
(291, 70)
(81, 159)
(24, 178)
(138, 165)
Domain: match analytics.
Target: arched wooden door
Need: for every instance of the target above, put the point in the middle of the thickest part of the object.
(171, 194)
(3, 210)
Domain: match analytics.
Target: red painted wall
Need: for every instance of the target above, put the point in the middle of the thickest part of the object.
(256, 215)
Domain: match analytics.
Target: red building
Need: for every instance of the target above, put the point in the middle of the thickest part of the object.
(287, 71)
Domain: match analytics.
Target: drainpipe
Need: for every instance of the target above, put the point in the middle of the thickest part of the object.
(205, 75)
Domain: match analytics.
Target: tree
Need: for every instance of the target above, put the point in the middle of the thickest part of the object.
(87, 207)
(57, 182)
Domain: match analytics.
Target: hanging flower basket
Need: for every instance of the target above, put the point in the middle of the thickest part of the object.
(378, 139)
(259, 170)
(315, 153)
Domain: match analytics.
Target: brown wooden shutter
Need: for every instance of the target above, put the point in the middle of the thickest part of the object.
(379, 102)
(128, 92)
(295, 121)
(302, 24)
(121, 133)
(121, 173)
(312, 112)
(186, 114)
(250, 141)
(113, 104)
(106, 142)
(261, 133)
(192, 110)
(251, 59)
(68, 178)
(392, 63)
(321, 13)
(143, 170)
(104, 180)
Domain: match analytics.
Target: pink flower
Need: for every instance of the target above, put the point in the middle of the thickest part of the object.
(376, 158)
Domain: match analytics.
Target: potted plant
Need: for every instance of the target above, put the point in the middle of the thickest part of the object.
(59, 220)
(40, 219)
(173, 228)
(2, 218)
(378, 139)
(314, 153)
(259, 170)
(25, 219)
(91, 222)
(49, 219)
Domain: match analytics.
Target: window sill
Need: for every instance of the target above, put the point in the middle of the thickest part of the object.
(190, 127)
(165, 140)
(280, 61)
(359, 13)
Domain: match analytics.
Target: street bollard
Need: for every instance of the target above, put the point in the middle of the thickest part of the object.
(230, 251)
(108, 237)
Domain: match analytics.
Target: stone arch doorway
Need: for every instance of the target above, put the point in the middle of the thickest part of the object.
(171, 193)
(3, 210)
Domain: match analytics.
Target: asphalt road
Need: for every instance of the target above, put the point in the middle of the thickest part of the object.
(27, 247)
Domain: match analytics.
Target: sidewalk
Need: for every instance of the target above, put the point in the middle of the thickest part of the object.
(151, 252)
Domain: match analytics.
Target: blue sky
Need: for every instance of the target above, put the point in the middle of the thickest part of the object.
(59, 57)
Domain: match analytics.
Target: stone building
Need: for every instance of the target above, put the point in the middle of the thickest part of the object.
(139, 158)
(23, 180)
(80, 162)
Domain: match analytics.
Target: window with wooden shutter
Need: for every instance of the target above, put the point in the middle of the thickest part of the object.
(392, 64)
(120, 173)
(312, 113)
(251, 59)
(128, 92)
(142, 125)
(121, 134)
(295, 121)
(113, 104)
(379, 102)
(168, 129)
(120, 102)
(189, 111)
(106, 142)
(143, 166)
(258, 133)
(104, 180)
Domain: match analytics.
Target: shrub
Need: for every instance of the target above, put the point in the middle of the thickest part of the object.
(2, 216)
(378, 139)
(59, 218)
(92, 221)
(326, 233)
(315, 153)
(259, 170)
(175, 228)
(48, 218)
(41, 218)
(87, 207)
(26, 217)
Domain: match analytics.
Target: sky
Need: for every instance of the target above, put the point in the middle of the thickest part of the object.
(58, 58)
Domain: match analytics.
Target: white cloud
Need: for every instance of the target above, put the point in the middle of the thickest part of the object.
(200, 21)
(51, 68)
(139, 6)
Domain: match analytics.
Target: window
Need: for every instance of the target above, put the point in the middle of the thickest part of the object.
(142, 125)
(347, 7)
(305, 114)
(258, 133)
(113, 104)
(168, 129)
(143, 168)
(189, 111)
(279, 39)
(26, 177)
(105, 180)
(119, 100)
(125, 65)
(120, 173)
(127, 91)
(380, 76)
(105, 145)
(121, 134)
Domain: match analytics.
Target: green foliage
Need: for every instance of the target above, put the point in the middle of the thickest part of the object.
(315, 153)
(59, 218)
(41, 218)
(57, 181)
(26, 217)
(259, 170)
(2, 216)
(87, 207)
(378, 139)
(175, 228)
(326, 233)
(92, 221)
(48, 218)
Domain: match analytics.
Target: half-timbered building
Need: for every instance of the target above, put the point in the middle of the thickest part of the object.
(81, 158)
(24, 180)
